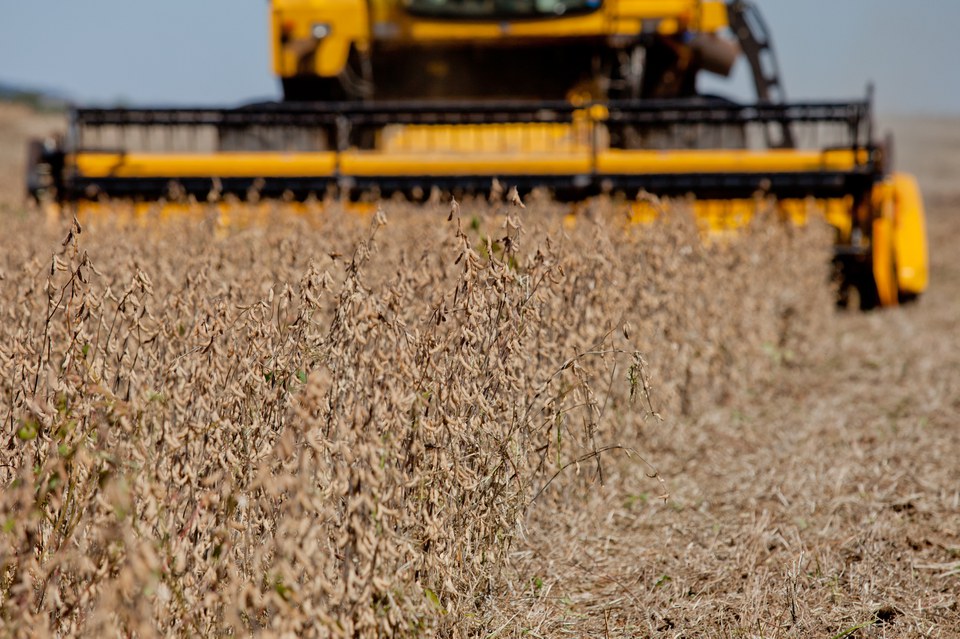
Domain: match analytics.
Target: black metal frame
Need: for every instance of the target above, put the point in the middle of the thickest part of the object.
(827, 184)
(345, 120)
(695, 111)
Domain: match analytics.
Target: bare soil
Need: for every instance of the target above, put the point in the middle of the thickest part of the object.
(821, 498)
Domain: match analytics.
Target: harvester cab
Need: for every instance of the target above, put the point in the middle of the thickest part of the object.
(501, 49)
(583, 97)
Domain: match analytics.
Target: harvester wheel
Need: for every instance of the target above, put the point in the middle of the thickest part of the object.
(910, 238)
(884, 262)
(857, 276)
(897, 269)
(876, 277)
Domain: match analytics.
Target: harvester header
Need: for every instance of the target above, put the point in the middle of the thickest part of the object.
(463, 146)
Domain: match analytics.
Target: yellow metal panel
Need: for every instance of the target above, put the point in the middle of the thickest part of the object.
(331, 56)
(382, 10)
(721, 217)
(222, 165)
(839, 214)
(374, 164)
(785, 161)
(708, 16)
(424, 30)
(883, 260)
(348, 25)
(910, 235)
(409, 157)
(350, 22)
(713, 16)
(487, 138)
(656, 9)
(625, 26)
(592, 24)
(622, 17)
(668, 26)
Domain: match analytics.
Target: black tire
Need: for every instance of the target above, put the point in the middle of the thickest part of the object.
(869, 295)
(908, 298)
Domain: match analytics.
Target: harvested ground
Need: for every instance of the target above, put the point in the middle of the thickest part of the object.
(826, 500)
(221, 461)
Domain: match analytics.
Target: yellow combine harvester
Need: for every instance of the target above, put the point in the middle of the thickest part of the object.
(583, 97)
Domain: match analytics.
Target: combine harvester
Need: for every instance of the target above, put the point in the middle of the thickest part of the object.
(583, 97)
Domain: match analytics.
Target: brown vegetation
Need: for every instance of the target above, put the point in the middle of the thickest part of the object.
(286, 428)
(327, 425)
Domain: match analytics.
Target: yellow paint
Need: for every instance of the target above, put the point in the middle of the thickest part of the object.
(713, 16)
(358, 23)
(349, 26)
(487, 138)
(212, 165)
(899, 241)
(375, 164)
(699, 15)
(616, 162)
(228, 208)
(910, 235)
(422, 152)
(427, 30)
(838, 214)
(723, 217)
(716, 218)
(882, 257)
(224, 214)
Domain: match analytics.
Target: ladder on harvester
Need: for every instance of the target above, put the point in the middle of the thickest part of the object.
(752, 33)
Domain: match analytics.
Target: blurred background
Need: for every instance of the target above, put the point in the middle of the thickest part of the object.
(216, 52)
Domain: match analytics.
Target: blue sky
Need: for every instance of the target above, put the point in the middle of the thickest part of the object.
(216, 51)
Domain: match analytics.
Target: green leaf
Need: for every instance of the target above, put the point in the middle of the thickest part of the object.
(852, 629)
(28, 431)
(633, 500)
(435, 600)
(282, 589)
(663, 580)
